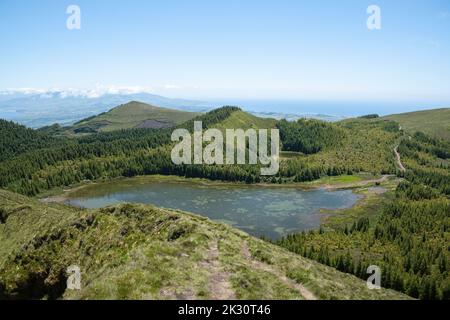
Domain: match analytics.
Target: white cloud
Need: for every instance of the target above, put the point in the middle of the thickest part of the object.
(22, 90)
(101, 90)
(96, 92)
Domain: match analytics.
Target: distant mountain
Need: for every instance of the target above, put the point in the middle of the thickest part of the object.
(133, 114)
(433, 122)
(38, 109)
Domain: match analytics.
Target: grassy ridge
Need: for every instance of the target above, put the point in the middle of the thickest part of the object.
(132, 115)
(142, 252)
(243, 120)
(433, 122)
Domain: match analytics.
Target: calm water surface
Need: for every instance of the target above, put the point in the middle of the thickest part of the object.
(261, 211)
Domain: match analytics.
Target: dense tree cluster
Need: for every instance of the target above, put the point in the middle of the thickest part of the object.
(16, 139)
(364, 147)
(309, 136)
(26, 166)
(211, 118)
(427, 161)
(370, 116)
(409, 240)
(111, 154)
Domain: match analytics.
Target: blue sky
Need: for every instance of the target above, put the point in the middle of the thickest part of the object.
(306, 50)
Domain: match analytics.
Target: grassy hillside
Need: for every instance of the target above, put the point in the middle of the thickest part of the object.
(243, 120)
(142, 252)
(133, 115)
(433, 122)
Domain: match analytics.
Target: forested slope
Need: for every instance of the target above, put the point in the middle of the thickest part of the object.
(409, 236)
(351, 147)
(16, 139)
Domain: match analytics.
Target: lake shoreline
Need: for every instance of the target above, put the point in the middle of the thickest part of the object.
(196, 192)
(61, 196)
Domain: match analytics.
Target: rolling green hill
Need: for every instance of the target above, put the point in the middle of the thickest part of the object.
(433, 122)
(141, 252)
(243, 120)
(133, 115)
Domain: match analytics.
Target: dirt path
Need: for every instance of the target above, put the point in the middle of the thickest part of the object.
(219, 284)
(384, 178)
(308, 295)
(399, 161)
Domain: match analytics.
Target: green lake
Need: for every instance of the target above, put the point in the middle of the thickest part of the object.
(258, 210)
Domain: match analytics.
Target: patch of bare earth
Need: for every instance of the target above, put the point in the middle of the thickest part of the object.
(219, 284)
(168, 294)
(308, 295)
(398, 159)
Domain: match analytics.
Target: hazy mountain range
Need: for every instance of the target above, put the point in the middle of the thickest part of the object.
(44, 108)
(37, 108)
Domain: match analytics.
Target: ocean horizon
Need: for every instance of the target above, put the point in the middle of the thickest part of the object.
(341, 109)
